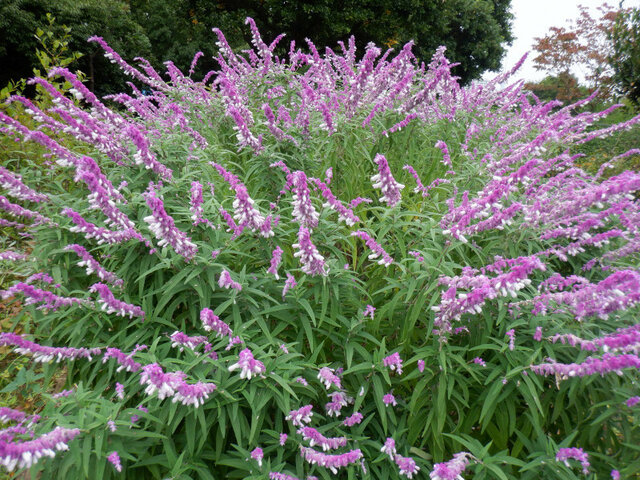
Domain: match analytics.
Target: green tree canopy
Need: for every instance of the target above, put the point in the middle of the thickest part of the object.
(626, 55)
(475, 32)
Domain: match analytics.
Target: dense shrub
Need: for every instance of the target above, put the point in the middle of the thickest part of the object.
(323, 253)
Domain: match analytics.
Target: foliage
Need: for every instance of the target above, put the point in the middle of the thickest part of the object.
(584, 45)
(84, 18)
(475, 33)
(563, 87)
(358, 235)
(625, 57)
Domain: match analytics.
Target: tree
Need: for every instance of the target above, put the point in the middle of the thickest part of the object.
(584, 45)
(474, 32)
(19, 20)
(625, 59)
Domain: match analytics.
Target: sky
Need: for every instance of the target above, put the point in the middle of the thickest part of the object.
(533, 18)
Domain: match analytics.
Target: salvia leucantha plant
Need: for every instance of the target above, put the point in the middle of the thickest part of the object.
(334, 264)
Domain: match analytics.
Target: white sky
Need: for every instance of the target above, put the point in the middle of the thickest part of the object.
(533, 18)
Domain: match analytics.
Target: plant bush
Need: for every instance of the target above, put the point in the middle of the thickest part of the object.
(320, 266)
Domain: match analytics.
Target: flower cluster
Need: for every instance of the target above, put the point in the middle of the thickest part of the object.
(383, 180)
(110, 304)
(248, 365)
(564, 454)
(378, 251)
(24, 454)
(43, 353)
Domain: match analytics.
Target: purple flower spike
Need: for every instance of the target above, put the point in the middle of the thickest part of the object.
(564, 454)
(27, 453)
(165, 230)
(300, 416)
(248, 365)
(383, 180)
(276, 258)
(332, 462)
(389, 447)
(212, 323)
(314, 437)
(311, 260)
(303, 211)
(452, 469)
(10, 256)
(289, 284)
(378, 251)
(258, 455)
(389, 399)
(407, 466)
(114, 459)
(110, 304)
(225, 281)
(354, 419)
(92, 265)
(328, 378)
(43, 353)
(394, 362)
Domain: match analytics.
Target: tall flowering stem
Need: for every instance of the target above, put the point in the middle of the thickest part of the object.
(384, 181)
(378, 252)
(312, 262)
(164, 228)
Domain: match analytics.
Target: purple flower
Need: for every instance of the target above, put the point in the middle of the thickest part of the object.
(369, 310)
(394, 362)
(283, 439)
(633, 401)
(479, 361)
(300, 416)
(406, 465)
(43, 353)
(378, 251)
(112, 425)
(164, 228)
(173, 385)
(332, 462)
(615, 475)
(276, 258)
(8, 255)
(257, 455)
(354, 419)
(311, 260)
(12, 182)
(120, 391)
(126, 361)
(389, 447)
(303, 211)
(538, 335)
(288, 284)
(328, 378)
(421, 365)
(314, 437)
(114, 459)
(383, 180)
(48, 300)
(248, 365)
(92, 265)
(564, 454)
(389, 399)
(112, 305)
(282, 476)
(446, 158)
(212, 323)
(452, 469)
(24, 454)
(512, 338)
(225, 281)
